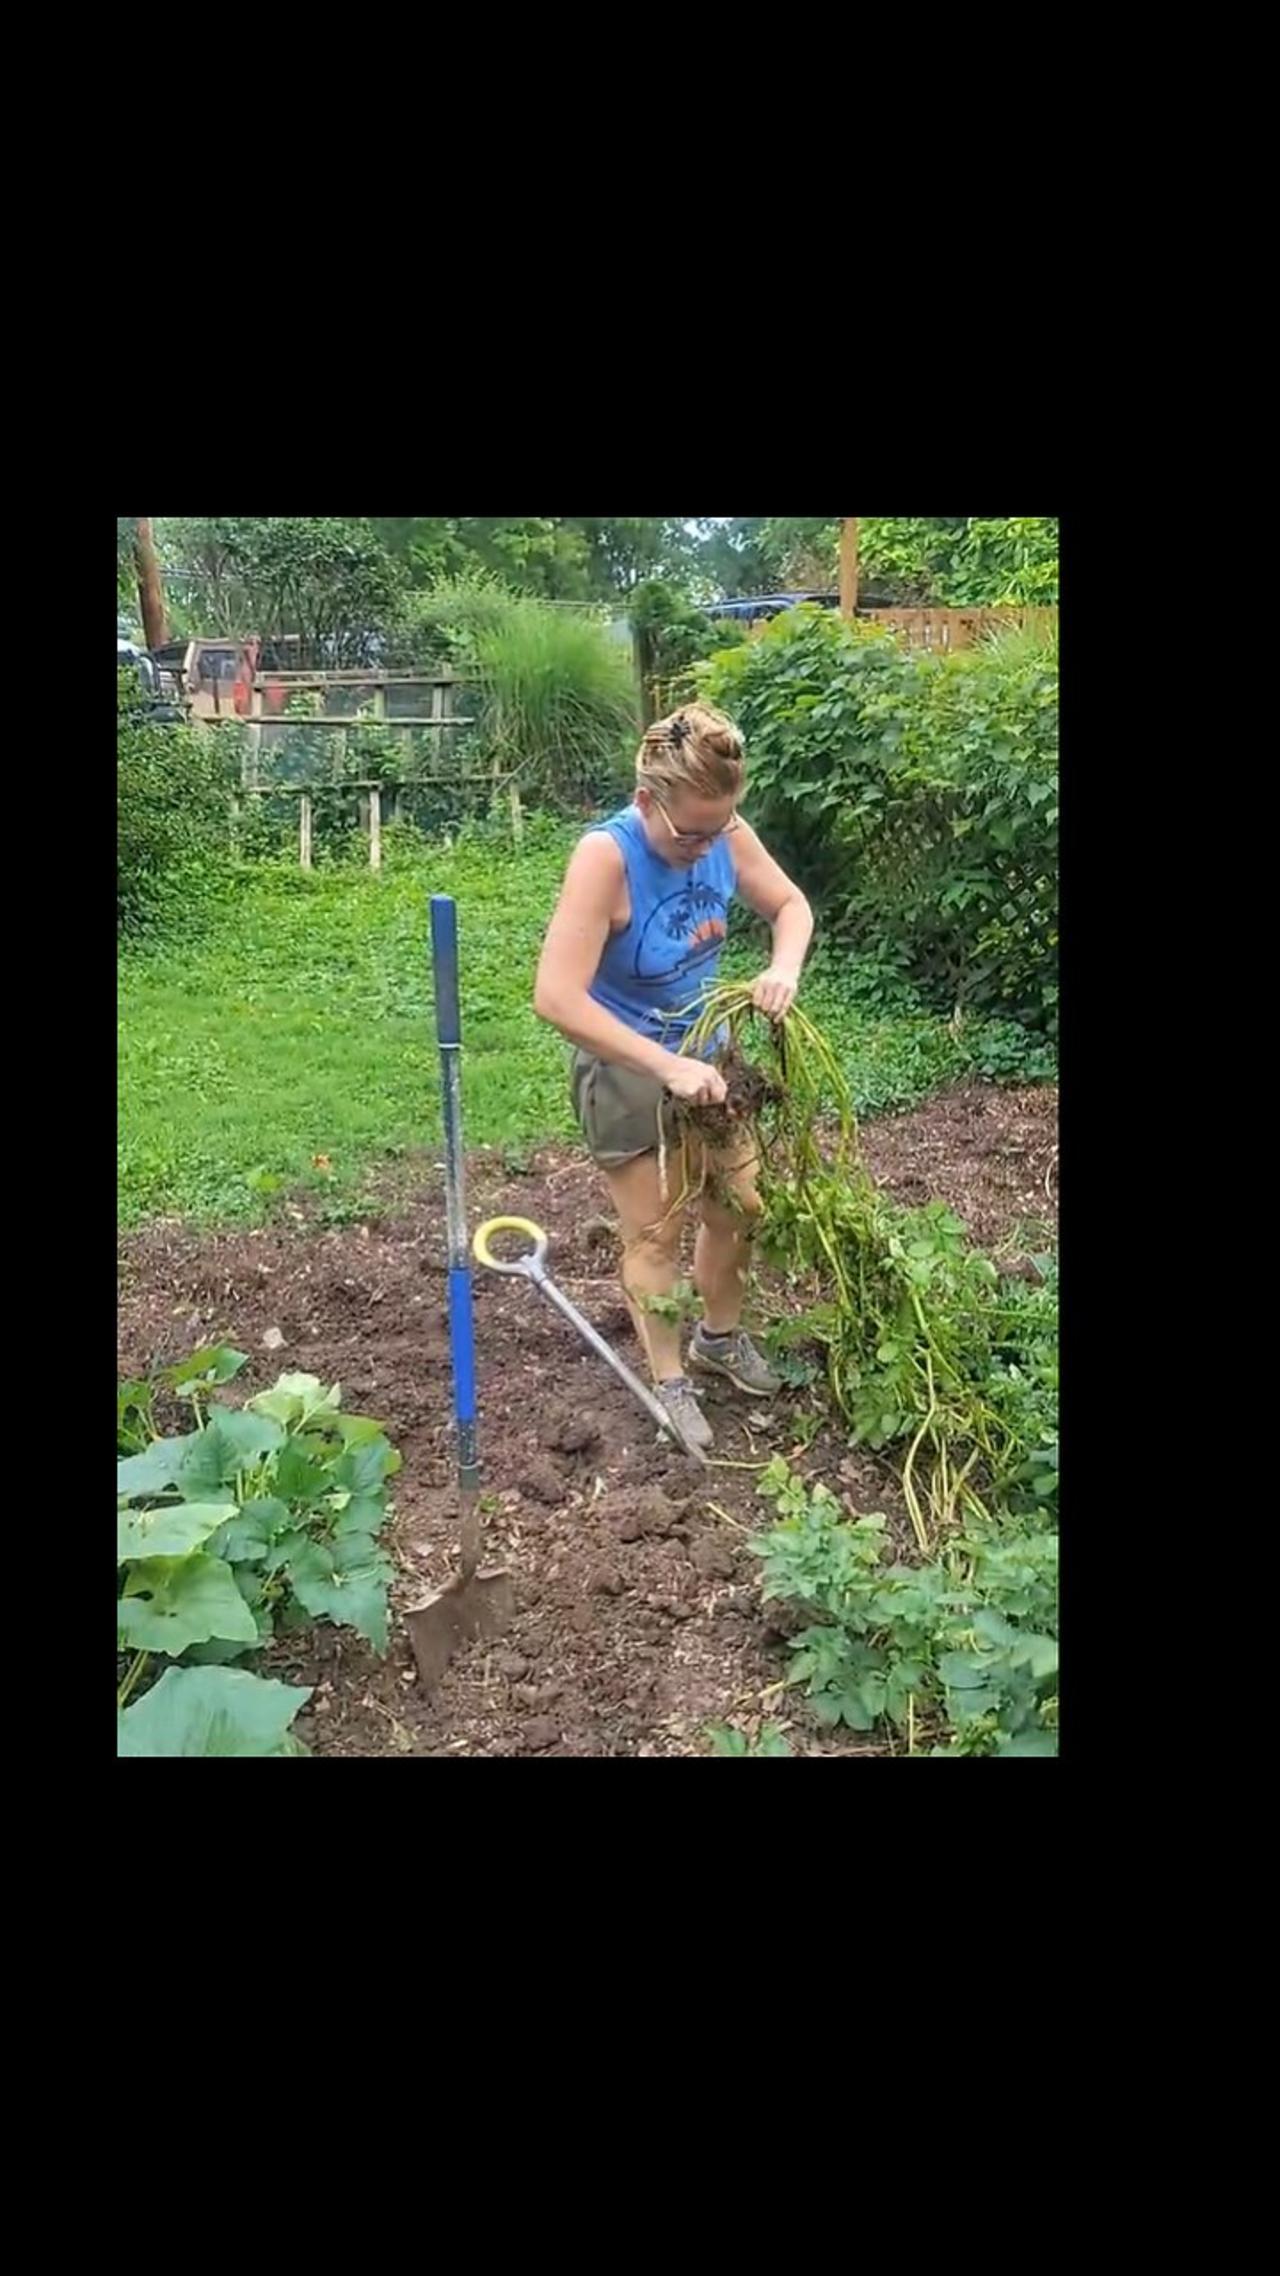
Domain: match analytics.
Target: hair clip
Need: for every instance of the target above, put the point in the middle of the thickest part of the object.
(679, 730)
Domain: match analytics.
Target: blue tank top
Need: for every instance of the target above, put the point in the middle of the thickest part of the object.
(654, 974)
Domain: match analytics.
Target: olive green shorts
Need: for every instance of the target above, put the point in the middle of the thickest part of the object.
(618, 1109)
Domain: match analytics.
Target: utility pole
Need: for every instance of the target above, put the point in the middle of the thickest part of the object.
(150, 590)
(848, 568)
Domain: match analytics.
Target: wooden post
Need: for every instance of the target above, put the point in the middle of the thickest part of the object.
(517, 815)
(150, 590)
(436, 745)
(304, 830)
(253, 742)
(848, 568)
(375, 828)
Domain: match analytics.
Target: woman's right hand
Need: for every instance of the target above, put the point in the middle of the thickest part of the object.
(694, 1081)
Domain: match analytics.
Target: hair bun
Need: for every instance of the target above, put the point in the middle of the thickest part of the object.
(724, 741)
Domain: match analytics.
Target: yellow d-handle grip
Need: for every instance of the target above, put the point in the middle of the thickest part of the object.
(484, 1234)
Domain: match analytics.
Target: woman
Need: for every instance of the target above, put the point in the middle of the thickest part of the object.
(632, 947)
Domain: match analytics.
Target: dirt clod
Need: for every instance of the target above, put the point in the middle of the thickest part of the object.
(543, 1483)
(571, 1433)
(713, 1560)
(748, 1091)
(635, 1515)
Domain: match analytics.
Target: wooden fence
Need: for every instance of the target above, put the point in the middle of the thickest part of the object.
(959, 628)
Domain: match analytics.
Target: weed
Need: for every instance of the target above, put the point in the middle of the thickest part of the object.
(728, 1738)
(957, 1655)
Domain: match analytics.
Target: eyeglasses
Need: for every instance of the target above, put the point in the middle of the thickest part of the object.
(685, 839)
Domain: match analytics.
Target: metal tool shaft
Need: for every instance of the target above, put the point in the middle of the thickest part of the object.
(533, 1266)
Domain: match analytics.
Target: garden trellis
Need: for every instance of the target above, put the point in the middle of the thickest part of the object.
(300, 730)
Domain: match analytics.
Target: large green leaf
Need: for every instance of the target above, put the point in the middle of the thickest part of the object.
(247, 1538)
(229, 1443)
(172, 1531)
(154, 1470)
(365, 1464)
(213, 1363)
(347, 1583)
(133, 1416)
(364, 1513)
(212, 1711)
(965, 1671)
(297, 1479)
(354, 1430)
(172, 1602)
(1040, 1654)
(293, 1399)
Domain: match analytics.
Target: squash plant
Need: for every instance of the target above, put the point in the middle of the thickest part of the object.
(259, 1518)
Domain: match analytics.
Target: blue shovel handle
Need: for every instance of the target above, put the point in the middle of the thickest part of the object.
(444, 956)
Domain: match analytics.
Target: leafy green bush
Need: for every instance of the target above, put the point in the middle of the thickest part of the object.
(958, 1655)
(915, 795)
(260, 1516)
(173, 817)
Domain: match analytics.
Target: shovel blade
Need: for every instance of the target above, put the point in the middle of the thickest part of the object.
(460, 1613)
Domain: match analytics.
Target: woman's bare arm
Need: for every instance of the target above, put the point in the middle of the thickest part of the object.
(569, 962)
(767, 889)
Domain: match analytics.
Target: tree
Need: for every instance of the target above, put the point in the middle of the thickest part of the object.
(533, 553)
(330, 581)
(150, 589)
(948, 563)
(559, 558)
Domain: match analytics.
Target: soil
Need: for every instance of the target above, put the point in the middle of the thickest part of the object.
(747, 1091)
(638, 1619)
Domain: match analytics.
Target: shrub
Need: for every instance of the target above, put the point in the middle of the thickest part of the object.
(557, 695)
(915, 795)
(173, 816)
(958, 1655)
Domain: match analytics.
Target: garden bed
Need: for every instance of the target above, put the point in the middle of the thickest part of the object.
(638, 1618)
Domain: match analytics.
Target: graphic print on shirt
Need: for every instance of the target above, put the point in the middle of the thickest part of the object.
(681, 932)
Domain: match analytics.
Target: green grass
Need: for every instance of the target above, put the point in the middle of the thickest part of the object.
(300, 1025)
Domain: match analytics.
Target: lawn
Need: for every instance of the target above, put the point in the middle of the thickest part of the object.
(291, 1045)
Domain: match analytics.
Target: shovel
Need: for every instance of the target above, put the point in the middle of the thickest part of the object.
(475, 1603)
(533, 1266)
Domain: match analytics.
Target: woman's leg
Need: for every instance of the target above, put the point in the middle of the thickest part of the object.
(651, 1231)
(722, 1257)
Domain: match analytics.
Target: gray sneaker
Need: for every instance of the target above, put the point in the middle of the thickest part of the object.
(735, 1357)
(680, 1400)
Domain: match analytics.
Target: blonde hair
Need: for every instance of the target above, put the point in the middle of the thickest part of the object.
(695, 749)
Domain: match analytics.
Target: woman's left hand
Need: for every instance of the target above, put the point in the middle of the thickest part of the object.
(775, 991)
